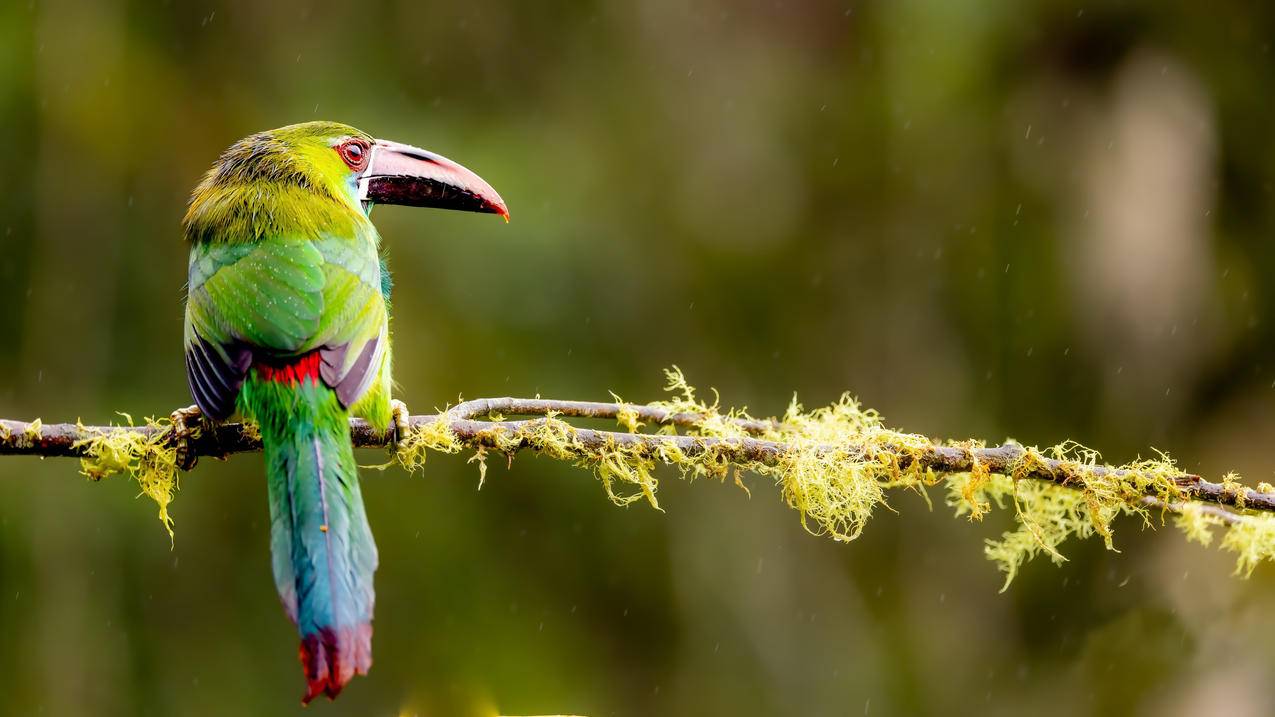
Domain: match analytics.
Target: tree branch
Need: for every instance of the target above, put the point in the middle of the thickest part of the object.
(472, 425)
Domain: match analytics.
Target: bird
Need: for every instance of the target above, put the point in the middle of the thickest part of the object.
(287, 326)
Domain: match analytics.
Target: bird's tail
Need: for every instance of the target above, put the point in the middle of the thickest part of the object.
(321, 544)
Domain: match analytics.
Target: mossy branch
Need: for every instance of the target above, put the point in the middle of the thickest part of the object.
(462, 421)
(833, 465)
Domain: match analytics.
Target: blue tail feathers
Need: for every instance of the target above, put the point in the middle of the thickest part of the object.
(323, 552)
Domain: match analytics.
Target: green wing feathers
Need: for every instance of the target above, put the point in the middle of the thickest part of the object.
(281, 298)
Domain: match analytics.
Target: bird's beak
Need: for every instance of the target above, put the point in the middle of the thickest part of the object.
(402, 174)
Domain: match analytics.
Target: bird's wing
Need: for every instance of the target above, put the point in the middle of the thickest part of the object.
(276, 299)
(353, 335)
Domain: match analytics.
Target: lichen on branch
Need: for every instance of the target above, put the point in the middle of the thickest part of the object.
(149, 458)
(835, 465)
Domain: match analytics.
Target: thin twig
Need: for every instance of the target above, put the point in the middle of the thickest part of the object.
(470, 422)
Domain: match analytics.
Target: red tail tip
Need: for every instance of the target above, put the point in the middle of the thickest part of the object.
(332, 657)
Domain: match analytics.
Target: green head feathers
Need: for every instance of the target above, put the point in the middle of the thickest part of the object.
(284, 181)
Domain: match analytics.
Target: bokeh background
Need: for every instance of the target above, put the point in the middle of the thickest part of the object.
(1042, 220)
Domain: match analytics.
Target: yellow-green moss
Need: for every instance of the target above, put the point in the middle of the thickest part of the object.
(148, 459)
(975, 486)
(435, 435)
(1196, 524)
(1232, 486)
(627, 416)
(1252, 540)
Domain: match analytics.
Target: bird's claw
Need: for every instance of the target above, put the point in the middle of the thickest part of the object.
(399, 426)
(186, 424)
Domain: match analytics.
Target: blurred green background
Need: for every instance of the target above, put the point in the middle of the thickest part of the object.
(1043, 220)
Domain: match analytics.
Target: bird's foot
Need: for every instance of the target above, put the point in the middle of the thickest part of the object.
(187, 423)
(399, 426)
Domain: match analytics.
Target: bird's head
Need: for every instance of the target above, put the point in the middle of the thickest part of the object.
(290, 167)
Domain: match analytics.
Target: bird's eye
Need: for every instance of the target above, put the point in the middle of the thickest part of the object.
(354, 153)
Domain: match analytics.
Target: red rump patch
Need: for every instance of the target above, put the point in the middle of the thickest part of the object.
(305, 367)
(333, 656)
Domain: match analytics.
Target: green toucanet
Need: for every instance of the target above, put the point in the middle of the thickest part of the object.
(287, 323)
